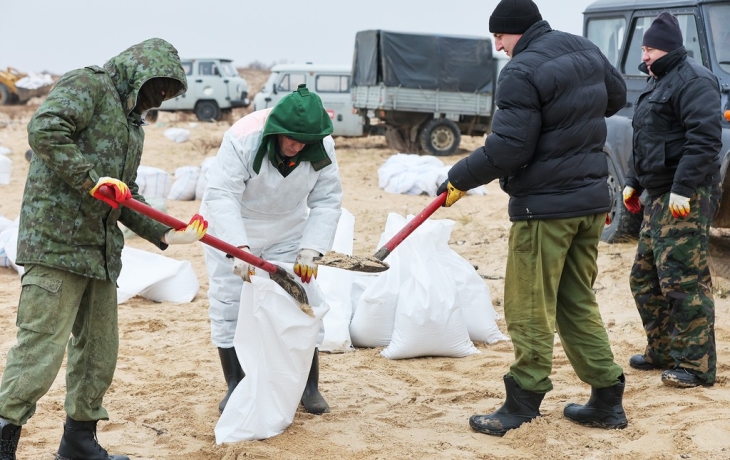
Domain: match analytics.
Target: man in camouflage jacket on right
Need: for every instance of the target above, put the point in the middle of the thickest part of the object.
(676, 159)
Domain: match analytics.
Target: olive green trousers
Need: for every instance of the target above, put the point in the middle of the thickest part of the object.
(56, 305)
(551, 268)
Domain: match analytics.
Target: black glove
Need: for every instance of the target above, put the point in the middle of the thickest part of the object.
(452, 193)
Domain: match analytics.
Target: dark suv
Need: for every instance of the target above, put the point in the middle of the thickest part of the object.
(617, 27)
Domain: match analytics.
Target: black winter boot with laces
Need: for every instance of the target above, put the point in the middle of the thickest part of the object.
(79, 443)
(9, 435)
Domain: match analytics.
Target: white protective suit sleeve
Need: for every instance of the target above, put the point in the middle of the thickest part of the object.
(325, 205)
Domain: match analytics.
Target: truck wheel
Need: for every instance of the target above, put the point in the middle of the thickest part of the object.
(440, 137)
(6, 97)
(207, 111)
(624, 224)
(151, 116)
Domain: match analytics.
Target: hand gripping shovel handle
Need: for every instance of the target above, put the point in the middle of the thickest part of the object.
(414, 223)
(278, 274)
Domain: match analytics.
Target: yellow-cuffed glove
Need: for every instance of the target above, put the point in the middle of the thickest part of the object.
(242, 268)
(631, 200)
(120, 189)
(195, 230)
(305, 267)
(679, 205)
(452, 193)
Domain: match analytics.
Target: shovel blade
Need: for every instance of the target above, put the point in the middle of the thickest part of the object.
(365, 264)
(287, 282)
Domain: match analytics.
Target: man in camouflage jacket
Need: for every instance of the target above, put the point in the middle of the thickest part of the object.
(87, 134)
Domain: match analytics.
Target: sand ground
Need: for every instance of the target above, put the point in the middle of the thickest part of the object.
(163, 402)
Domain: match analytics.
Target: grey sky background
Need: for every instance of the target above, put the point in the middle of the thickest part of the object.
(61, 35)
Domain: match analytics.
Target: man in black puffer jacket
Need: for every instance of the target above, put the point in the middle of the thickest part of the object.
(546, 147)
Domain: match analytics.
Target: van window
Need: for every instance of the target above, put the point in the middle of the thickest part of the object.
(188, 67)
(207, 68)
(608, 35)
(332, 84)
(687, 24)
(290, 81)
(719, 15)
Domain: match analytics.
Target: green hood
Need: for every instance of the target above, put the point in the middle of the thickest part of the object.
(301, 116)
(153, 58)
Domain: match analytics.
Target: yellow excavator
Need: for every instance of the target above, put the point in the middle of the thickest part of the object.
(10, 93)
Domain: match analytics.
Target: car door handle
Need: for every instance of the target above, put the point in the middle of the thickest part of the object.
(629, 104)
(198, 81)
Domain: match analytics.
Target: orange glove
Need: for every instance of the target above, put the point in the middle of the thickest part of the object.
(452, 193)
(305, 267)
(193, 232)
(679, 205)
(631, 200)
(120, 189)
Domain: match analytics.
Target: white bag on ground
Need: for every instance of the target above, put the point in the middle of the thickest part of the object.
(155, 277)
(153, 182)
(413, 174)
(200, 185)
(274, 342)
(336, 284)
(177, 134)
(428, 319)
(186, 180)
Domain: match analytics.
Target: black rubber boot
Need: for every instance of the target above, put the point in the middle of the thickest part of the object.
(603, 409)
(9, 435)
(312, 399)
(520, 406)
(79, 443)
(232, 372)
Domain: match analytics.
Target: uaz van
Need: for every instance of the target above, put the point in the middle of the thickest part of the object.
(330, 82)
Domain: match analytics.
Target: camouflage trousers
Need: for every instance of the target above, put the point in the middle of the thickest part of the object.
(54, 304)
(671, 284)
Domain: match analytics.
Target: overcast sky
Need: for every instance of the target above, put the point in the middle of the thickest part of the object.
(61, 35)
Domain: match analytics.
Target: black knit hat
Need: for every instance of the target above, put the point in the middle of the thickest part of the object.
(513, 17)
(664, 33)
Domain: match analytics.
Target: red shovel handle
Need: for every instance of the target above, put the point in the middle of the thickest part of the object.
(414, 223)
(210, 240)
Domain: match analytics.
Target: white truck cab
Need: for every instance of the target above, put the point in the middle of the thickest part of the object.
(330, 82)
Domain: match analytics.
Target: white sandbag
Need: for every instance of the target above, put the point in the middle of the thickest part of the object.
(372, 321)
(5, 237)
(336, 285)
(473, 298)
(5, 150)
(428, 320)
(153, 182)
(155, 277)
(274, 342)
(6, 167)
(412, 174)
(177, 134)
(186, 179)
(200, 185)
(9, 245)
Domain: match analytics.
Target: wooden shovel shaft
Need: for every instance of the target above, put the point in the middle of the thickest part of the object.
(414, 223)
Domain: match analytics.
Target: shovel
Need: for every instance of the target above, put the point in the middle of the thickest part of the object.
(375, 264)
(277, 273)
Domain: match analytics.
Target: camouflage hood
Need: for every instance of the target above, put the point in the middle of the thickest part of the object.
(153, 58)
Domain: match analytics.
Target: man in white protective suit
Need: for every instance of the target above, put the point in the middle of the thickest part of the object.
(273, 190)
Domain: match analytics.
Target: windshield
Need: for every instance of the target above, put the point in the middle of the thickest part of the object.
(228, 70)
(719, 25)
